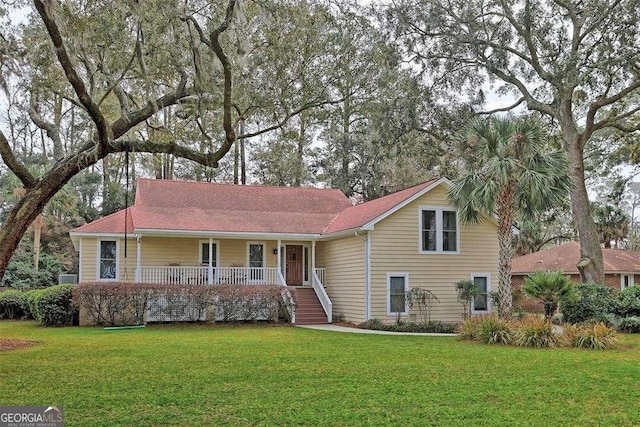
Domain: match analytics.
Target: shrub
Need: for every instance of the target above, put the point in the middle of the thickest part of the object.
(32, 297)
(594, 302)
(433, 327)
(535, 332)
(125, 303)
(52, 306)
(492, 330)
(597, 336)
(553, 289)
(21, 274)
(423, 300)
(249, 302)
(13, 305)
(114, 303)
(466, 291)
(629, 325)
(375, 324)
(468, 329)
(628, 304)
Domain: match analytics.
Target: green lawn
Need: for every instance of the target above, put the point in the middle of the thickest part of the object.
(266, 375)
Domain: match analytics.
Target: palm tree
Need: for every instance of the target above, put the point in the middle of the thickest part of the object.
(551, 288)
(508, 167)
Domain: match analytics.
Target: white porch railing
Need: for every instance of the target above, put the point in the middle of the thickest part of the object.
(318, 287)
(174, 275)
(320, 272)
(196, 275)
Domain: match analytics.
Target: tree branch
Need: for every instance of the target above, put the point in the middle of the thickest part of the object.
(44, 9)
(12, 163)
(226, 68)
(126, 122)
(288, 116)
(498, 110)
(146, 146)
(604, 101)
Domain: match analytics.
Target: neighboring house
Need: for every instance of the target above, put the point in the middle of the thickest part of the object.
(621, 267)
(359, 260)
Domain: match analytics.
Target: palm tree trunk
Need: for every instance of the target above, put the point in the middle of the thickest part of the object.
(505, 246)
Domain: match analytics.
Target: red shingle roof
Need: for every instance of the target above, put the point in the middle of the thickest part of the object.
(359, 215)
(565, 258)
(198, 206)
(110, 224)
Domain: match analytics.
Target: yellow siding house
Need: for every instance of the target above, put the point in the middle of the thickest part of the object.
(356, 261)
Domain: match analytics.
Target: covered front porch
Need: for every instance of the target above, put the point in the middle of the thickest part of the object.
(228, 261)
(211, 261)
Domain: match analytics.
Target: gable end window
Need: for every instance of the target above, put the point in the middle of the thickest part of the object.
(107, 260)
(438, 230)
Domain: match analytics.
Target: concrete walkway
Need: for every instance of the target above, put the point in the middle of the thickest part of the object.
(336, 328)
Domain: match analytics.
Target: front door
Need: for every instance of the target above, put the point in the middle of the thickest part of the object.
(294, 264)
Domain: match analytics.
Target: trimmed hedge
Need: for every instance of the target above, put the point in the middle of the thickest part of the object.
(13, 305)
(52, 306)
(125, 303)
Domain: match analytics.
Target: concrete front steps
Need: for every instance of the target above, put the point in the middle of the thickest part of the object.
(309, 311)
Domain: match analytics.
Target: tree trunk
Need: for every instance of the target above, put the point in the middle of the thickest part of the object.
(30, 206)
(590, 265)
(37, 231)
(505, 247)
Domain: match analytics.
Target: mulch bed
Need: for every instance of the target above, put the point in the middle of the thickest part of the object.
(8, 344)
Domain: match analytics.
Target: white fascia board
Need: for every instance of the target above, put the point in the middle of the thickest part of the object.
(370, 225)
(227, 234)
(340, 234)
(75, 236)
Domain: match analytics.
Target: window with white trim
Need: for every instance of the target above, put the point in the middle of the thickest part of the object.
(397, 286)
(438, 230)
(107, 259)
(480, 303)
(626, 281)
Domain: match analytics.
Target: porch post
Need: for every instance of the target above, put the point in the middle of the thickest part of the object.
(210, 270)
(313, 259)
(138, 253)
(279, 262)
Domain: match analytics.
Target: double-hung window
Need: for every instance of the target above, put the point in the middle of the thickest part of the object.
(438, 230)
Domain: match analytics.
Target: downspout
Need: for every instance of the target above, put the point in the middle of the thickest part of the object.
(367, 273)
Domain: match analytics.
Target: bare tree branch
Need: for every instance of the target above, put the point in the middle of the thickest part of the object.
(28, 180)
(498, 110)
(44, 8)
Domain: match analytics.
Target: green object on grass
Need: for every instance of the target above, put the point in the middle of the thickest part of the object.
(115, 328)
